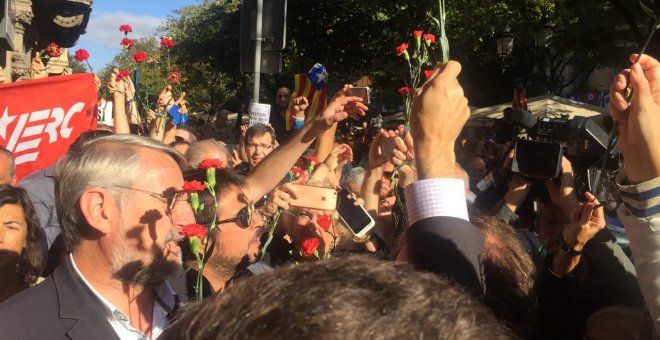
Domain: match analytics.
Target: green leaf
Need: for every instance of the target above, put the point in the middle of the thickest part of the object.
(444, 43)
(194, 245)
(648, 11)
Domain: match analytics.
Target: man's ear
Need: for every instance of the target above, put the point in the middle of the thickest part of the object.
(98, 207)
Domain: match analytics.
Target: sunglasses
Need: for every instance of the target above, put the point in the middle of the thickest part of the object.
(170, 196)
(243, 218)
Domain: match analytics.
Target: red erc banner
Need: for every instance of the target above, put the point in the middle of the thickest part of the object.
(39, 119)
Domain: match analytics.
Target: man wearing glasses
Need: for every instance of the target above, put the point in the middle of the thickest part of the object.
(259, 142)
(120, 209)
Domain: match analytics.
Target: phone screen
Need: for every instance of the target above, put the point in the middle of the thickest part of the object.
(355, 216)
(537, 159)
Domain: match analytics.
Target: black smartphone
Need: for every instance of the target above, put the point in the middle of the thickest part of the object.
(354, 216)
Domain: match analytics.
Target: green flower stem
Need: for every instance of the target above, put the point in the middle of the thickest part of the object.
(273, 223)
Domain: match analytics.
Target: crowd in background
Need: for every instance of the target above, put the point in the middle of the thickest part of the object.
(462, 247)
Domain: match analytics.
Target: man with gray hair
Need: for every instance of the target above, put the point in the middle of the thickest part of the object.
(7, 167)
(120, 206)
(354, 179)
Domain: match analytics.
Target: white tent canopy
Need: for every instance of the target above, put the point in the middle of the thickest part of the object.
(544, 106)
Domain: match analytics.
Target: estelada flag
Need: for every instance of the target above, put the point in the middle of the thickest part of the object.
(313, 86)
(40, 118)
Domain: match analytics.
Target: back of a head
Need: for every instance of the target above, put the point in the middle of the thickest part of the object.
(205, 149)
(510, 276)
(353, 297)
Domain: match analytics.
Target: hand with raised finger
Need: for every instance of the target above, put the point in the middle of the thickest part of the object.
(182, 104)
(337, 155)
(341, 93)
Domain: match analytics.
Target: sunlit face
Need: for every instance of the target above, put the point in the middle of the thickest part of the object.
(258, 147)
(306, 226)
(13, 234)
(144, 247)
(234, 243)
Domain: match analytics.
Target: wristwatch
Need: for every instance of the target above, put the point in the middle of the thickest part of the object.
(566, 249)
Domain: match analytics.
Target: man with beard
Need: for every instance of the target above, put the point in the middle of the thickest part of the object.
(278, 112)
(120, 206)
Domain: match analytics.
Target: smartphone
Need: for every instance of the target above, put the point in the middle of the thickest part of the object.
(362, 92)
(312, 197)
(386, 146)
(357, 218)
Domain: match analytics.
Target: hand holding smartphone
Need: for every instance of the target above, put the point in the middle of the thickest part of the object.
(362, 92)
(357, 218)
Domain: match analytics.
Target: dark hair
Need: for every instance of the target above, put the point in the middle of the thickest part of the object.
(257, 130)
(30, 261)
(224, 178)
(510, 276)
(196, 136)
(356, 297)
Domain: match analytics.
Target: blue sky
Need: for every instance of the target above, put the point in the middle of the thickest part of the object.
(103, 36)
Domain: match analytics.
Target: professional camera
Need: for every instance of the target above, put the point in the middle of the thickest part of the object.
(580, 139)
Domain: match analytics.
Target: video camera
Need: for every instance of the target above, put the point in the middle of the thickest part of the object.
(580, 139)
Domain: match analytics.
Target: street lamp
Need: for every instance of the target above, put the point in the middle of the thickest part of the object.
(543, 35)
(505, 43)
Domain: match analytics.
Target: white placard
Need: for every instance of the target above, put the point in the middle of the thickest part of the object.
(259, 113)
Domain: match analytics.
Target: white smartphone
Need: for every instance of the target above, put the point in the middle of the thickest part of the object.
(357, 218)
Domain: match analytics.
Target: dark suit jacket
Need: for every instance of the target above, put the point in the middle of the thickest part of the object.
(448, 246)
(61, 307)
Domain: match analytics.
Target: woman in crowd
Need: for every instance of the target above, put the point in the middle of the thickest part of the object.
(20, 242)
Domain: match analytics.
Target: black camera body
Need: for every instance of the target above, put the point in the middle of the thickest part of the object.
(580, 139)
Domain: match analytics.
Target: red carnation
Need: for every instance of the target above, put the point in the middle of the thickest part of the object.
(297, 172)
(167, 43)
(324, 221)
(309, 246)
(417, 34)
(139, 56)
(401, 49)
(430, 38)
(174, 77)
(193, 230)
(81, 55)
(127, 43)
(314, 160)
(193, 186)
(210, 163)
(126, 29)
(53, 50)
(123, 74)
(428, 73)
(404, 90)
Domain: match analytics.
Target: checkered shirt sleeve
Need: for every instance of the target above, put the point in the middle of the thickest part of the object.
(436, 197)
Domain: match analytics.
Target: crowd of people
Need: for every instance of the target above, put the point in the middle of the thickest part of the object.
(461, 246)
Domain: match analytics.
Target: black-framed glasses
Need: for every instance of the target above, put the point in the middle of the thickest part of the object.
(243, 217)
(170, 196)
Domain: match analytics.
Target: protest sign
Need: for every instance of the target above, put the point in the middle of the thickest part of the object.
(259, 113)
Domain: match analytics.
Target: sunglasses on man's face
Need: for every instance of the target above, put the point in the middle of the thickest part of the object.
(243, 218)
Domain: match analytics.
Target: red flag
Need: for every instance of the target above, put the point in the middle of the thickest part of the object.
(40, 118)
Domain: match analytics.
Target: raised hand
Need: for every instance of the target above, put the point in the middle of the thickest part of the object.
(403, 157)
(38, 67)
(280, 198)
(639, 120)
(438, 114)
(564, 196)
(586, 221)
(340, 109)
(300, 104)
(165, 97)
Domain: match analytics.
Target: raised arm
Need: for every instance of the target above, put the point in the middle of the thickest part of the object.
(278, 163)
(639, 182)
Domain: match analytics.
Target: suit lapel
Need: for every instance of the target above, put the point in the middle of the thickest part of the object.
(78, 303)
